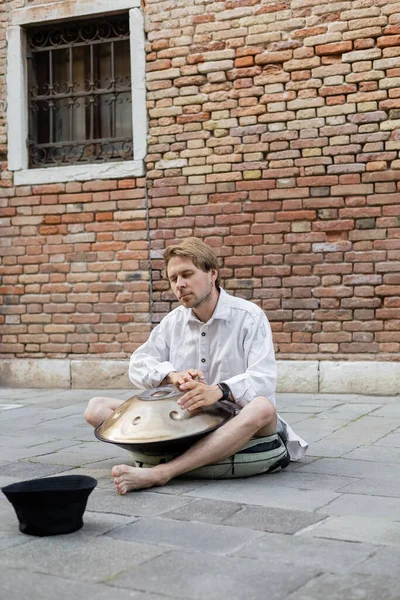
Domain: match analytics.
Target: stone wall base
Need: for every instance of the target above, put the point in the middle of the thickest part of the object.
(325, 377)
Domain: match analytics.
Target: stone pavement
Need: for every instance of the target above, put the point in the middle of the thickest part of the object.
(325, 528)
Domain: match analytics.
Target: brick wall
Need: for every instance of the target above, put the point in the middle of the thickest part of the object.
(75, 274)
(274, 134)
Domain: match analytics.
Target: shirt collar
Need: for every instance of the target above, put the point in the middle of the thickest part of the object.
(222, 310)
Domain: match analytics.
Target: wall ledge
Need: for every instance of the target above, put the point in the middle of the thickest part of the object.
(303, 376)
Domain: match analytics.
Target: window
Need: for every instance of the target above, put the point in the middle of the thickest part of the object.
(79, 93)
(76, 92)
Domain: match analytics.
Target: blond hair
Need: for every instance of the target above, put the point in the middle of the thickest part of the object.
(201, 255)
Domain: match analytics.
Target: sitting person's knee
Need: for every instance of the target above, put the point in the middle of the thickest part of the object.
(93, 411)
(99, 409)
(262, 412)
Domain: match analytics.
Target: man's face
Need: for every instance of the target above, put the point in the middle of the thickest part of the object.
(191, 285)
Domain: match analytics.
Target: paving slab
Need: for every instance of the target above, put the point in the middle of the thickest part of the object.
(352, 468)
(322, 421)
(205, 511)
(56, 429)
(289, 399)
(363, 431)
(293, 466)
(327, 555)
(139, 504)
(78, 556)
(375, 454)
(306, 409)
(99, 523)
(202, 537)
(74, 458)
(389, 410)
(364, 506)
(374, 487)
(293, 417)
(25, 441)
(5, 406)
(274, 520)
(333, 448)
(9, 540)
(201, 576)
(314, 481)
(263, 490)
(181, 485)
(319, 402)
(16, 584)
(353, 528)
(383, 563)
(103, 476)
(392, 440)
(348, 587)
(37, 453)
(29, 470)
(354, 410)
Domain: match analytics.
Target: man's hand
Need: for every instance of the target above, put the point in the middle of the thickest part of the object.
(190, 375)
(199, 394)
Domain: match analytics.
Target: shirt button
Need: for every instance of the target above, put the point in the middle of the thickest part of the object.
(203, 360)
(203, 334)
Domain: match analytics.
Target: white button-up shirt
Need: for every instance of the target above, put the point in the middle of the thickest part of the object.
(235, 346)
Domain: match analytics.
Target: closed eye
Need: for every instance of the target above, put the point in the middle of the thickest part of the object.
(184, 274)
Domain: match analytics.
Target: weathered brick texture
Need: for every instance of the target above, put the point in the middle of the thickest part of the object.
(274, 134)
(75, 271)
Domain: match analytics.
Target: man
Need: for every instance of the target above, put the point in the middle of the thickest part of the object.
(213, 346)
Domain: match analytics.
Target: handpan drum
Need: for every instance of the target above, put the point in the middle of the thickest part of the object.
(152, 422)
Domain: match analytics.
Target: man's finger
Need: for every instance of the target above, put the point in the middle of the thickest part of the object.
(196, 405)
(197, 373)
(188, 399)
(185, 399)
(190, 384)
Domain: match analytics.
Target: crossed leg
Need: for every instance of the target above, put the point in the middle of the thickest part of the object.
(100, 408)
(258, 418)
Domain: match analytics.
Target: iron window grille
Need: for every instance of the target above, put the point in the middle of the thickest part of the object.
(79, 93)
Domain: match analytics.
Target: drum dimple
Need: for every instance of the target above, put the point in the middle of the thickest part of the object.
(174, 415)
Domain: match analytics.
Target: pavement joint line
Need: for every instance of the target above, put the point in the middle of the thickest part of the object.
(330, 501)
(313, 526)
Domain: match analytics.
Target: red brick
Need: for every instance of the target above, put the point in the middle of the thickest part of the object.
(388, 40)
(325, 180)
(334, 48)
(245, 61)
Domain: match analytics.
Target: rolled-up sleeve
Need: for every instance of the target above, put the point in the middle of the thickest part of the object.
(259, 378)
(149, 364)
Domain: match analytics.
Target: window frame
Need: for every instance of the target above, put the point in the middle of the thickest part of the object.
(17, 90)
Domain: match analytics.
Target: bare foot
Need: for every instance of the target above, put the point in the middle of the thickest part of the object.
(128, 478)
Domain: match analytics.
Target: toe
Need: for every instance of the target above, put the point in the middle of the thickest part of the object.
(118, 470)
(121, 489)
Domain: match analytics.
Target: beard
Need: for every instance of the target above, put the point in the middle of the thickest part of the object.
(199, 300)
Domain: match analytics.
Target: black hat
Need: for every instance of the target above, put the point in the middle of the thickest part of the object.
(52, 505)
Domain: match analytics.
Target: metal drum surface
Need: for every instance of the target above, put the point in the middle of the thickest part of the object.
(152, 422)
